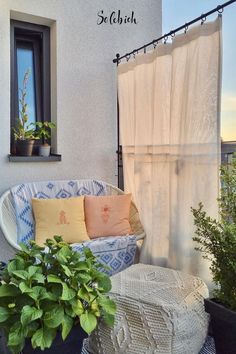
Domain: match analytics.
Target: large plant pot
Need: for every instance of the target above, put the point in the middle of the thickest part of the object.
(24, 147)
(72, 345)
(223, 323)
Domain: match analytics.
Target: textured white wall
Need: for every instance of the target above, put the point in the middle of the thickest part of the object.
(83, 84)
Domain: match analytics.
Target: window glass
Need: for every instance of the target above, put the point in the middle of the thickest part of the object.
(25, 61)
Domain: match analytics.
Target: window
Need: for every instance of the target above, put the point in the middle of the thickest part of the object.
(30, 50)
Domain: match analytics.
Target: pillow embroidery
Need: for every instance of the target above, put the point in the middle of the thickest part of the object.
(105, 215)
(62, 218)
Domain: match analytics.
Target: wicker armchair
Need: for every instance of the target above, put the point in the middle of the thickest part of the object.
(8, 217)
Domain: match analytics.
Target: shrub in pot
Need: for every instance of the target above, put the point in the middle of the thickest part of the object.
(217, 240)
(50, 295)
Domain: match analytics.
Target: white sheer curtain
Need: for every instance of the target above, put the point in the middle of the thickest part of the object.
(170, 136)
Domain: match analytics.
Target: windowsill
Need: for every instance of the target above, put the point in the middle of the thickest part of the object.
(35, 158)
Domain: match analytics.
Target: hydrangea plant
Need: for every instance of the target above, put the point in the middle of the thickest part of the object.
(48, 289)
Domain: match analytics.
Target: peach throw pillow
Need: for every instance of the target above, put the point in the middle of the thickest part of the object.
(107, 215)
(63, 217)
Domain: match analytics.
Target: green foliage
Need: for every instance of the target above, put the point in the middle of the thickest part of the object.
(217, 239)
(43, 130)
(23, 130)
(45, 290)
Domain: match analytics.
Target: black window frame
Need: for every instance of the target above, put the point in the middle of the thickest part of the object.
(37, 37)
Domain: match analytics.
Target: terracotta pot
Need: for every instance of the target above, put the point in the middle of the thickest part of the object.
(223, 323)
(24, 147)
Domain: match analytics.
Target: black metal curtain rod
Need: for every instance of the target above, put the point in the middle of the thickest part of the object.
(202, 17)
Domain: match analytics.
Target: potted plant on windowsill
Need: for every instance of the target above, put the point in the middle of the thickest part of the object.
(43, 131)
(24, 133)
(217, 241)
(51, 297)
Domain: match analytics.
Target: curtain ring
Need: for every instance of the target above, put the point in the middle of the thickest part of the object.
(127, 57)
(154, 43)
(165, 39)
(144, 49)
(220, 9)
(185, 28)
(172, 34)
(203, 19)
(133, 54)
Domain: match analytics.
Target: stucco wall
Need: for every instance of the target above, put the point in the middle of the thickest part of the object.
(83, 84)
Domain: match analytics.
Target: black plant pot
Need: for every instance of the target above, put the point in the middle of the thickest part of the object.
(72, 345)
(24, 147)
(223, 323)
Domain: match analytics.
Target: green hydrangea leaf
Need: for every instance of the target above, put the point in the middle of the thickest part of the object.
(66, 270)
(7, 290)
(108, 305)
(82, 266)
(63, 254)
(32, 270)
(54, 279)
(58, 238)
(88, 322)
(25, 288)
(39, 278)
(67, 293)
(83, 294)
(22, 274)
(16, 335)
(24, 248)
(84, 278)
(104, 283)
(54, 317)
(4, 314)
(15, 264)
(43, 338)
(67, 324)
(109, 319)
(38, 293)
(77, 307)
(29, 314)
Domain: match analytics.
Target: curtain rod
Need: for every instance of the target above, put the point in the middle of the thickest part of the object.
(202, 17)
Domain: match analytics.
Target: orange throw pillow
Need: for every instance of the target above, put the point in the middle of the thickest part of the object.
(107, 215)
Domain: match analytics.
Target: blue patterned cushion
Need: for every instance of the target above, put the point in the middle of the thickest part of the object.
(23, 193)
(116, 252)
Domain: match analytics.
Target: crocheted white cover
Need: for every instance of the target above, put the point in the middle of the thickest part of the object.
(159, 311)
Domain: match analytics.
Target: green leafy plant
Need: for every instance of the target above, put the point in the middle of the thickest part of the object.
(23, 130)
(45, 290)
(43, 130)
(217, 238)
